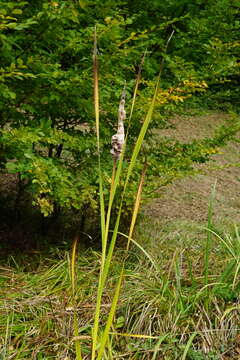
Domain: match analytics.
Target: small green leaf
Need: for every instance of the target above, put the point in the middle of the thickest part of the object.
(28, 155)
(12, 95)
(20, 62)
(11, 167)
(120, 322)
(17, 12)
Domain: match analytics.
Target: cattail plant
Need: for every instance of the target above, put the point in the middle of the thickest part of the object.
(119, 138)
(100, 336)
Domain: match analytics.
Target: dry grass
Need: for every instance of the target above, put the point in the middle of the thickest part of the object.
(167, 305)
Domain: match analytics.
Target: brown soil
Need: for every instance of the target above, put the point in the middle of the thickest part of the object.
(188, 198)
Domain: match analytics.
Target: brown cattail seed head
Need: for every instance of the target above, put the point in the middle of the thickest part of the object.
(119, 138)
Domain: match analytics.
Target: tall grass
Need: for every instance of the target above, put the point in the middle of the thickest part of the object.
(98, 339)
(209, 233)
(73, 282)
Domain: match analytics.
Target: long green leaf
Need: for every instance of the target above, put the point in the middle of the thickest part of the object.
(142, 134)
(156, 349)
(209, 235)
(110, 317)
(73, 282)
(189, 343)
(102, 205)
(96, 108)
(142, 249)
(109, 257)
(147, 119)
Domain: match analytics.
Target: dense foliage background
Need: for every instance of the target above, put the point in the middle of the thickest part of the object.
(47, 117)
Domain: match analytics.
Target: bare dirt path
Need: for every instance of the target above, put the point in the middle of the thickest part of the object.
(188, 198)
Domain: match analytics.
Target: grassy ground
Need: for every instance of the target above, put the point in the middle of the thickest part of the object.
(180, 298)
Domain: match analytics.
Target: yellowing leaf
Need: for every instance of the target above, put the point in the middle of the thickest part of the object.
(82, 3)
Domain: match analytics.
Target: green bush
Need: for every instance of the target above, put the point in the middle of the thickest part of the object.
(47, 119)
